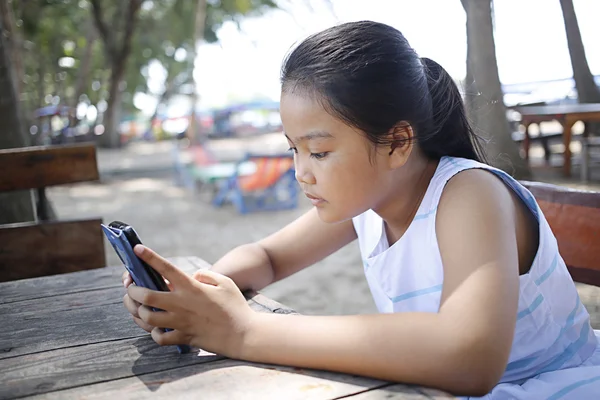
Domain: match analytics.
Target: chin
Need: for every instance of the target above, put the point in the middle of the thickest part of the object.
(330, 217)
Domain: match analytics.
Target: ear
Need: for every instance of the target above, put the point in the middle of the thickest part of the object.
(401, 138)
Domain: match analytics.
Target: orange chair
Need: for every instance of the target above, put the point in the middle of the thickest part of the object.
(272, 185)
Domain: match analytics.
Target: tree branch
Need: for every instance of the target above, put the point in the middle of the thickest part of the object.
(134, 7)
(105, 34)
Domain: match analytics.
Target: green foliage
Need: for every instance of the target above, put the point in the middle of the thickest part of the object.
(55, 34)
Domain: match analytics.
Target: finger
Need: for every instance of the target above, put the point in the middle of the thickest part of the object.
(131, 305)
(211, 277)
(143, 325)
(202, 276)
(162, 266)
(161, 319)
(151, 298)
(163, 338)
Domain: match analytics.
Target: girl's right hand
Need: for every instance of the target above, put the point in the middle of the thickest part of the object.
(132, 306)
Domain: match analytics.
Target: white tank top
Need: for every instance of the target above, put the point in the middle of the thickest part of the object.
(553, 329)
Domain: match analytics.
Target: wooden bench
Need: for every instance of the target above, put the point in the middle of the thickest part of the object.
(587, 144)
(574, 216)
(45, 246)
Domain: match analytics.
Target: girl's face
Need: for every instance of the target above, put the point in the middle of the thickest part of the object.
(332, 160)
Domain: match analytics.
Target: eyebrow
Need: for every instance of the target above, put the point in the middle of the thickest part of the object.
(311, 135)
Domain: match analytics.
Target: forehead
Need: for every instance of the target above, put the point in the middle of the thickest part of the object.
(302, 114)
(296, 107)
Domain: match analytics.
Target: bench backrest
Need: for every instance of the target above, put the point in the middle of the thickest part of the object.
(269, 168)
(574, 216)
(45, 247)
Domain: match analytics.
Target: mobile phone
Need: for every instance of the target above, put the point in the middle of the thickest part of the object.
(123, 239)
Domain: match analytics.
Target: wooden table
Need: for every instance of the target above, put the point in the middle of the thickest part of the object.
(566, 114)
(69, 336)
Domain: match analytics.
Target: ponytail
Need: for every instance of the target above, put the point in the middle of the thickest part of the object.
(450, 132)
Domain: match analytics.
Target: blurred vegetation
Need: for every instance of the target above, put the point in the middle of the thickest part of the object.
(98, 52)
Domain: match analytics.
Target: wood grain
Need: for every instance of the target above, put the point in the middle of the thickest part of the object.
(82, 365)
(30, 250)
(227, 380)
(392, 392)
(435, 394)
(43, 166)
(69, 320)
(69, 336)
(38, 288)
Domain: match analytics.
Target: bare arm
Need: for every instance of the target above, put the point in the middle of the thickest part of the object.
(296, 246)
(464, 347)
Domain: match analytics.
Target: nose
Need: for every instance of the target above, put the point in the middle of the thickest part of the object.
(303, 173)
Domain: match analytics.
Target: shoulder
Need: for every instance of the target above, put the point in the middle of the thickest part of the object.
(475, 190)
(476, 218)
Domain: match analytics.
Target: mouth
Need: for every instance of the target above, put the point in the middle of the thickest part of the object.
(313, 199)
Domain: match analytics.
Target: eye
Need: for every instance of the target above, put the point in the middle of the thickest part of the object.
(295, 150)
(319, 156)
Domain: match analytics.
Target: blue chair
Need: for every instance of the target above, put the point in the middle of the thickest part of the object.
(260, 182)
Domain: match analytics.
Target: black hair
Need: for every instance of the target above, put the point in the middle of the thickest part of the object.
(366, 74)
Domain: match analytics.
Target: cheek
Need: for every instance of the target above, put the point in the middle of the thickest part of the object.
(354, 178)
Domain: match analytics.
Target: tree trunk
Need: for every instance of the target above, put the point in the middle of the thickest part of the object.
(487, 109)
(587, 91)
(14, 206)
(111, 137)
(199, 25)
(117, 54)
(14, 44)
(86, 61)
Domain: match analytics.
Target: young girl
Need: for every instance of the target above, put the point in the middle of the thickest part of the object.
(474, 297)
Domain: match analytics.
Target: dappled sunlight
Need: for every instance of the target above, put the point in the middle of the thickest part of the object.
(95, 191)
(173, 192)
(143, 185)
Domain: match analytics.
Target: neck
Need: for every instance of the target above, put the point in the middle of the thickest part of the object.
(406, 193)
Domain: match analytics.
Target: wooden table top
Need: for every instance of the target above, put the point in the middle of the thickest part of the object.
(559, 109)
(69, 336)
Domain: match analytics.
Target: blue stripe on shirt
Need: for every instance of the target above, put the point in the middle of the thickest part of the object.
(417, 293)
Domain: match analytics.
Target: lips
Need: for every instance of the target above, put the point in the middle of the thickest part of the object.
(310, 196)
(316, 201)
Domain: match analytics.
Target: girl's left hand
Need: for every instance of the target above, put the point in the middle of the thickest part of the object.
(207, 310)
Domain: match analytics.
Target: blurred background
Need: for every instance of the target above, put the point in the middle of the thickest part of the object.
(177, 96)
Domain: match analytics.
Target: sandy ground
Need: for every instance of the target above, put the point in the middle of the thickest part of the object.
(138, 186)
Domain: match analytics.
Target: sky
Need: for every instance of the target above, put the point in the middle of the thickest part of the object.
(530, 41)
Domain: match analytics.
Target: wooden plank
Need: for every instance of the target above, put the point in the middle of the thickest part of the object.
(225, 379)
(562, 109)
(396, 391)
(577, 230)
(42, 166)
(574, 217)
(76, 366)
(87, 317)
(269, 304)
(74, 319)
(55, 285)
(563, 195)
(435, 394)
(31, 250)
(391, 392)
